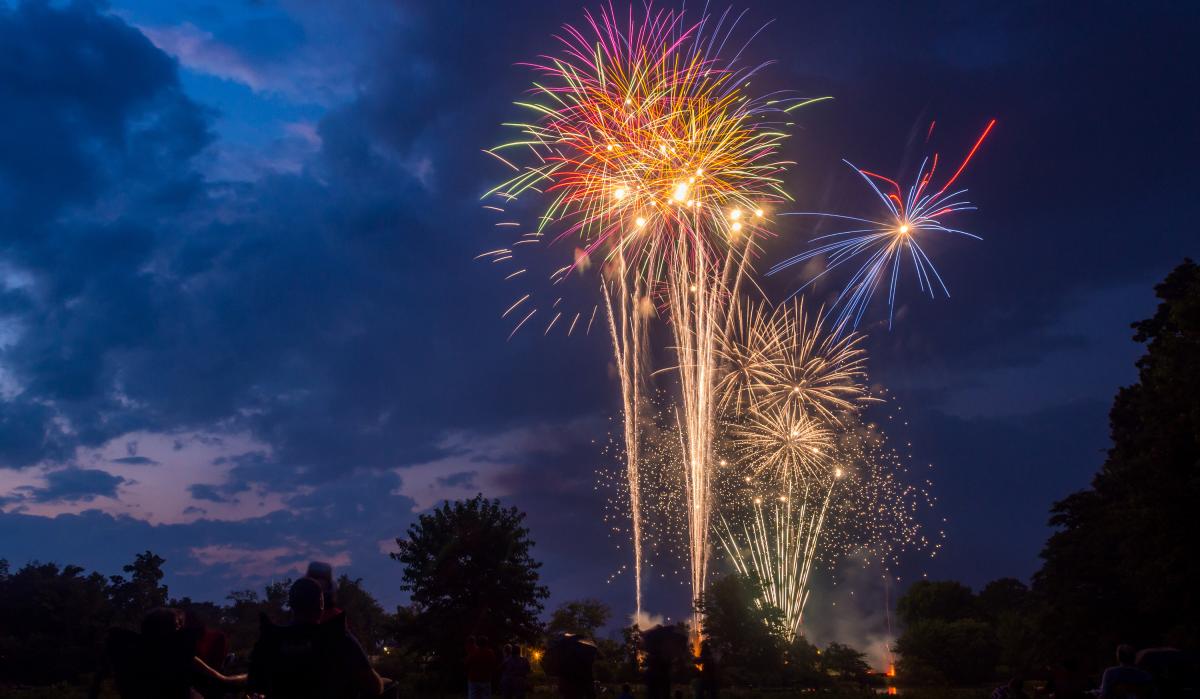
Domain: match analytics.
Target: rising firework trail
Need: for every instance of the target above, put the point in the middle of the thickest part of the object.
(776, 546)
(627, 328)
(911, 216)
(777, 531)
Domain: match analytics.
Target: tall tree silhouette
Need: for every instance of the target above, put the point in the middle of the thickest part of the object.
(468, 570)
(52, 622)
(1122, 565)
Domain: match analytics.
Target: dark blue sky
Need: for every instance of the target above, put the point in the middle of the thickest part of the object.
(240, 323)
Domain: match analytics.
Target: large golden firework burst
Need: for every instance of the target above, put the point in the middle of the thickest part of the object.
(785, 443)
(787, 356)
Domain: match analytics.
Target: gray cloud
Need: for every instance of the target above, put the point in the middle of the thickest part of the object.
(76, 485)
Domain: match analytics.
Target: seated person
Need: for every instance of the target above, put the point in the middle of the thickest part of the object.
(160, 662)
(1125, 679)
(309, 659)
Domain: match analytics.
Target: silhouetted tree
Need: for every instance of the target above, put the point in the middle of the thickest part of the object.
(943, 600)
(802, 666)
(1123, 565)
(364, 615)
(242, 617)
(945, 640)
(582, 617)
(845, 663)
(468, 570)
(745, 635)
(53, 622)
(142, 591)
(1014, 613)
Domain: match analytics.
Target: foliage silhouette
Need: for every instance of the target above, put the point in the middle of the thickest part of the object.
(468, 570)
(1122, 565)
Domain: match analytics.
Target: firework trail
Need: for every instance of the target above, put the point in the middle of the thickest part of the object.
(909, 217)
(659, 164)
(627, 327)
(776, 549)
(860, 508)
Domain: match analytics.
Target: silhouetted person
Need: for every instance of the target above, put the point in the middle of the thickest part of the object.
(626, 692)
(1014, 689)
(571, 658)
(514, 673)
(1125, 680)
(481, 668)
(322, 572)
(212, 647)
(710, 678)
(1068, 681)
(159, 662)
(1173, 671)
(658, 674)
(310, 659)
(662, 645)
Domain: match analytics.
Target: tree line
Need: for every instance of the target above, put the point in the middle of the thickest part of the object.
(468, 569)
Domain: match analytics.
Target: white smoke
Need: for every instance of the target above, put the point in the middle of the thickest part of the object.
(646, 621)
(854, 613)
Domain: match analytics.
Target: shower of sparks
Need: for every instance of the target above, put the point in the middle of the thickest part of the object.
(859, 507)
(784, 443)
(911, 217)
(661, 166)
(776, 548)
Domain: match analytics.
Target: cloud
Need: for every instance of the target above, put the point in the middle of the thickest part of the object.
(76, 485)
(495, 464)
(198, 50)
(273, 561)
(212, 493)
(135, 461)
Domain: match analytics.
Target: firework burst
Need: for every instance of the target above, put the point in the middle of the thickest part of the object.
(788, 356)
(911, 217)
(644, 135)
(856, 505)
(784, 443)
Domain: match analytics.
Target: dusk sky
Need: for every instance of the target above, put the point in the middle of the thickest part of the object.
(241, 324)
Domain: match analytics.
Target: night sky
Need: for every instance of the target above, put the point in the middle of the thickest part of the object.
(241, 325)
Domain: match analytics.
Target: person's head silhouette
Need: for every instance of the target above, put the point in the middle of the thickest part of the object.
(306, 600)
(322, 572)
(161, 623)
